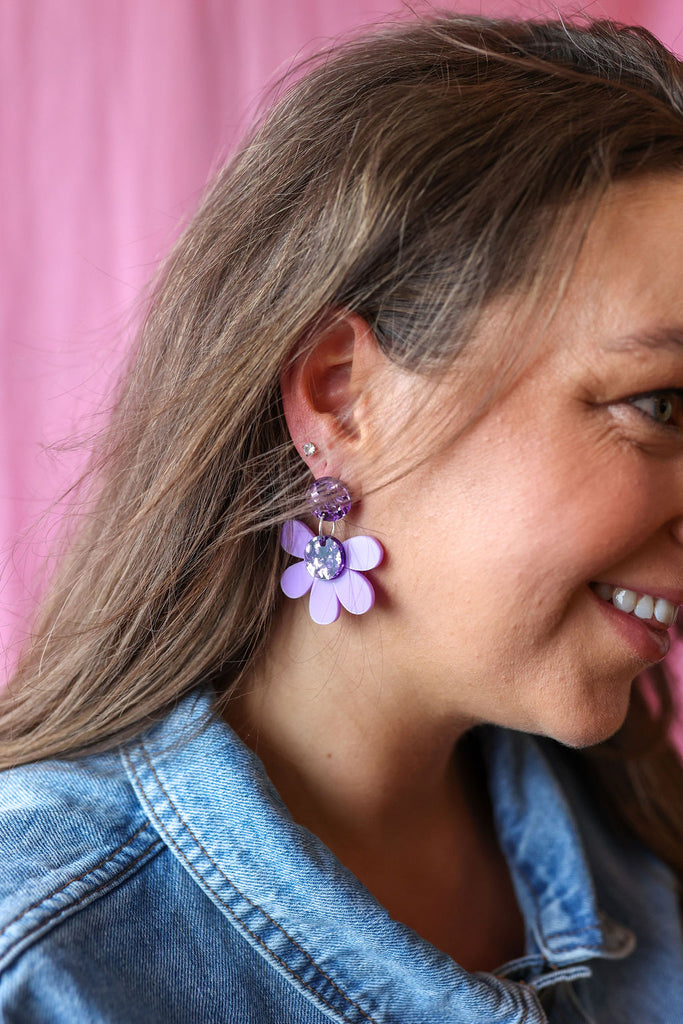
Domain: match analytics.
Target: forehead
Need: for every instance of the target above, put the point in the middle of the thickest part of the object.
(627, 284)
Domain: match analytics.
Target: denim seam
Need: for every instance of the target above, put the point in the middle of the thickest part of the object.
(78, 878)
(532, 997)
(574, 931)
(565, 976)
(62, 910)
(256, 906)
(585, 945)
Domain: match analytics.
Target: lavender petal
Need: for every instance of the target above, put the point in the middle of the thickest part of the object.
(363, 552)
(354, 591)
(296, 580)
(323, 603)
(294, 537)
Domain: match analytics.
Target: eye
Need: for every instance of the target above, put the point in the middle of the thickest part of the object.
(664, 407)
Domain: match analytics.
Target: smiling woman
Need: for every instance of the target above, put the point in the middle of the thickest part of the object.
(424, 336)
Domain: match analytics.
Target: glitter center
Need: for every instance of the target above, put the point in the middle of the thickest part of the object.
(324, 558)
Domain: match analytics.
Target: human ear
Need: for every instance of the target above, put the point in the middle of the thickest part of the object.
(324, 393)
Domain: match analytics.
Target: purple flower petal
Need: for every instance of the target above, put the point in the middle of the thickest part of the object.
(295, 536)
(296, 580)
(323, 603)
(354, 591)
(363, 552)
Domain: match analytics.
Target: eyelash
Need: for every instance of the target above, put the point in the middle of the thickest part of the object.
(674, 394)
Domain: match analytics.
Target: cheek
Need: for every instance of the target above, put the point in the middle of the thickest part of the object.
(514, 534)
(603, 516)
(469, 557)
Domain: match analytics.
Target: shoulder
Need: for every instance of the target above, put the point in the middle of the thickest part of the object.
(70, 831)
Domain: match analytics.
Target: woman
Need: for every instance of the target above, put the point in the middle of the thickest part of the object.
(441, 284)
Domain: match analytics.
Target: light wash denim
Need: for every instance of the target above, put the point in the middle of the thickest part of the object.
(168, 883)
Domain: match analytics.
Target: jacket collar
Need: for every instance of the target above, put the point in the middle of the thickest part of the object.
(541, 843)
(211, 801)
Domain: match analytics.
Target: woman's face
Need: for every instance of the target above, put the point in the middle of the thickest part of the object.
(574, 478)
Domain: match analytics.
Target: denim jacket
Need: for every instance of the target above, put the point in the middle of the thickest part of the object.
(167, 882)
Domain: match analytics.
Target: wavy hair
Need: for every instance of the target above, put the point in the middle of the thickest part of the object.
(414, 175)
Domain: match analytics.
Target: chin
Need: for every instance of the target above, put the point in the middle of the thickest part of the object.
(583, 708)
(581, 729)
(582, 715)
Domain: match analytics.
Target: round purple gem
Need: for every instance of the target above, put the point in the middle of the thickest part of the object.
(329, 499)
(324, 558)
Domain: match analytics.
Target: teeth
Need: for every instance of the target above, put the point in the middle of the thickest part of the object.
(625, 600)
(643, 606)
(665, 611)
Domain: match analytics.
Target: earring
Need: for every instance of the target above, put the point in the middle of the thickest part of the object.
(330, 569)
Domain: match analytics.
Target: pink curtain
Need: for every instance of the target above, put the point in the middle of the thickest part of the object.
(112, 117)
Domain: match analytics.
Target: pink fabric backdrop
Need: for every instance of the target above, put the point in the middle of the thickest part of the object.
(112, 116)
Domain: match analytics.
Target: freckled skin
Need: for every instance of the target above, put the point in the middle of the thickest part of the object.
(562, 482)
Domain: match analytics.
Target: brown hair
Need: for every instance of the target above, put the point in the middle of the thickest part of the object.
(413, 175)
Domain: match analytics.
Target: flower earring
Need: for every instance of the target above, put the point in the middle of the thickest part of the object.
(330, 569)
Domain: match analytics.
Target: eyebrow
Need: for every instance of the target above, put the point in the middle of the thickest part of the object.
(667, 337)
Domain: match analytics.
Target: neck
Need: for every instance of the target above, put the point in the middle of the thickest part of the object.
(363, 759)
(350, 743)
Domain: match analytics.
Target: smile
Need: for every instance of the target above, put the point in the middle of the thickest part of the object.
(655, 611)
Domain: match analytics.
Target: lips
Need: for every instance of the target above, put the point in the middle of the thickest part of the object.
(656, 611)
